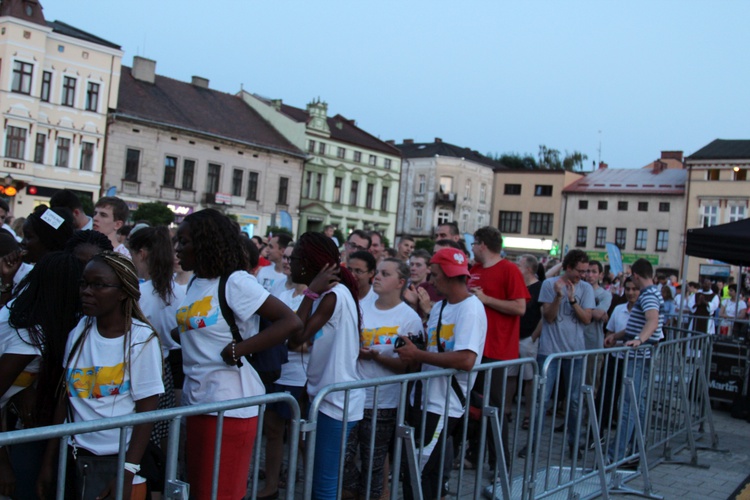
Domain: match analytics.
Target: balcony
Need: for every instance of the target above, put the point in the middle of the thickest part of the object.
(445, 199)
(16, 165)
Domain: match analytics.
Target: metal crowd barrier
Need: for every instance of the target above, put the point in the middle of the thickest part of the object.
(579, 408)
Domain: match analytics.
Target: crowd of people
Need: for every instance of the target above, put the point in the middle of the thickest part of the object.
(100, 319)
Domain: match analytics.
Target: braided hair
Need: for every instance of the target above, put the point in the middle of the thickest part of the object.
(160, 258)
(318, 250)
(217, 244)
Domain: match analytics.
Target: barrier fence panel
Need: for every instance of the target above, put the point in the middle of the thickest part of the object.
(173, 488)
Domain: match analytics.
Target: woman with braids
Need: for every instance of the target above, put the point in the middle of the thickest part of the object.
(34, 327)
(84, 244)
(383, 320)
(213, 361)
(113, 367)
(330, 314)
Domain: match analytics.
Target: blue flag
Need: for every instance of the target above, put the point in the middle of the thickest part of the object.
(615, 258)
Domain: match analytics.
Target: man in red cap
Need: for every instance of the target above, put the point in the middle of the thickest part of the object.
(456, 331)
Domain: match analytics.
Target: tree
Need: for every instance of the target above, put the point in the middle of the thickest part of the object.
(515, 161)
(549, 159)
(157, 214)
(276, 230)
(573, 160)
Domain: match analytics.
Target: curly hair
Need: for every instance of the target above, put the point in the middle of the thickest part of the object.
(217, 244)
(318, 250)
(49, 307)
(88, 236)
(160, 258)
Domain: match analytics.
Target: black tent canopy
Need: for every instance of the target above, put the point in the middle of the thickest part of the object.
(728, 243)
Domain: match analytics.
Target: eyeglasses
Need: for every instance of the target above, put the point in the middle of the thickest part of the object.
(83, 284)
(358, 272)
(582, 271)
(476, 243)
(354, 246)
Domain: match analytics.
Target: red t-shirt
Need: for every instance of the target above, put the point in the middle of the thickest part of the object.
(502, 281)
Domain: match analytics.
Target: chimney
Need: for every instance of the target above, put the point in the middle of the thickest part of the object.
(671, 155)
(143, 69)
(659, 166)
(408, 141)
(390, 142)
(199, 81)
(276, 103)
(602, 165)
(438, 140)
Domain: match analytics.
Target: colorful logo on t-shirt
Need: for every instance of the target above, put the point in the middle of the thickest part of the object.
(197, 315)
(384, 335)
(446, 337)
(97, 382)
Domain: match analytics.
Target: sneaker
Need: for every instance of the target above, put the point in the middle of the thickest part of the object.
(631, 464)
(523, 452)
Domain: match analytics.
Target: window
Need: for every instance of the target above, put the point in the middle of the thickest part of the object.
(252, 186)
(237, 178)
(583, 204)
(482, 194)
(510, 222)
(358, 156)
(353, 193)
(446, 185)
(601, 237)
(444, 217)
(662, 240)
(321, 148)
(712, 174)
(621, 236)
(373, 160)
(540, 223)
(512, 189)
(46, 86)
(641, 239)
(464, 222)
(710, 214)
(737, 212)
(663, 206)
(213, 178)
(740, 174)
(602, 205)
(422, 184)
(337, 182)
(542, 190)
(308, 184)
(63, 152)
(15, 142)
(418, 218)
(41, 142)
(582, 236)
(283, 190)
(92, 97)
(87, 156)
(311, 146)
(387, 164)
(69, 91)
(384, 199)
(341, 152)
(188, 172)
(132, 161)
(318, 186)
(170, 171)
(467, 189)
(643, 206)
(21, 77)
(369, 195)
(622, 206)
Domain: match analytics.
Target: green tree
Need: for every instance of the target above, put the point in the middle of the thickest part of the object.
(516, 161)
(87, 204)
(549, 159)
(574, 161)
(157, 214)
(425, 244)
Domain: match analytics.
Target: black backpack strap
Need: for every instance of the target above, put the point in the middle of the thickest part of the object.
(228, 314)
(454, 381)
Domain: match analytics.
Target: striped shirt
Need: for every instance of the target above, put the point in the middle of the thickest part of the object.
(649, 300)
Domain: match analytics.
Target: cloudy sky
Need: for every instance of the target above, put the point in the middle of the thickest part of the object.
(616, 80)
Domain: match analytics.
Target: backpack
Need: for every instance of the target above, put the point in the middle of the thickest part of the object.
(266, 363)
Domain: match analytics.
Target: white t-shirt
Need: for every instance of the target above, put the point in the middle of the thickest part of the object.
(368, 299)
(617, 323)
(23, 270)
(99, 385)
(294, 371)
(121, 248)
(380, 329)
(273, 282)
(464, 327)
(333, 357)
(204, 333)
(730, 307)
(14, 341)
(162, 316)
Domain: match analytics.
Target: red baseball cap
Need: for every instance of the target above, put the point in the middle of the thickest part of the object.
(452, 261)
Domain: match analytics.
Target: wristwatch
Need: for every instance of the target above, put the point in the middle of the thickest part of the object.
(573, 302)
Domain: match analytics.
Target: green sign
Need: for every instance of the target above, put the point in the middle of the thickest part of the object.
(627, 258)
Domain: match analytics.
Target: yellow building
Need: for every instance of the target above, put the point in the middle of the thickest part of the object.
(57, 84)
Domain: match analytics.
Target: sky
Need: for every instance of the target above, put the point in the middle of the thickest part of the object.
(619, 81)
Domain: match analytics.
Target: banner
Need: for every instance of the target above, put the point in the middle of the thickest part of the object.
(615, 258)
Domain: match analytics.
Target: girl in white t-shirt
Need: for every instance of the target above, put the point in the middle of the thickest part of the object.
(210, 245)
(383, 320)
(330, 314)
(113, 367)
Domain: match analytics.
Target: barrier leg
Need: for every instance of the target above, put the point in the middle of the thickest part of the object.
(593, 424)
(406, 433)
(492, 415)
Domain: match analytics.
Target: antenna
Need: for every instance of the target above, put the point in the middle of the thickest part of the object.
(600, 147)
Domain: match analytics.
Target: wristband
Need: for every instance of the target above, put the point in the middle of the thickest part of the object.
(573, 302)
(132, 468)
(310, 294)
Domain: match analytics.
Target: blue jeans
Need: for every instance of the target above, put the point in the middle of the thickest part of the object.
(327, 456)
(639, 369)
(572, 369)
